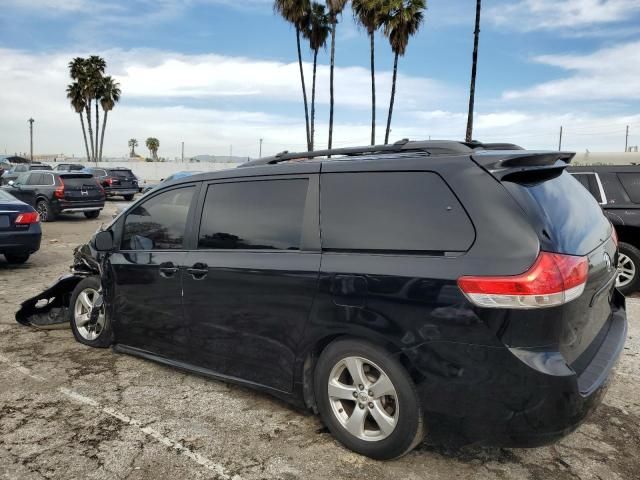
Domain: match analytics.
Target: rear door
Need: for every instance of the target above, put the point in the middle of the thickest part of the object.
(252, 277)
(148, 272)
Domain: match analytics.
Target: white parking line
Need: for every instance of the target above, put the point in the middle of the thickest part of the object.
(159, 437)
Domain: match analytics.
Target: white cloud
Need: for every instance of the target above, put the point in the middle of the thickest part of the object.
(555, 14)
(607, 74)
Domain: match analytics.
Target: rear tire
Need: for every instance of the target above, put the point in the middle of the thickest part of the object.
(45, 211)
(628, 280)
(378, 414)
(94, 214)
(95, 334)
(16, 258)
(128, 198)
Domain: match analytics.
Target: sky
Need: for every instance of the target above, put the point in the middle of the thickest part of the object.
(219, 75)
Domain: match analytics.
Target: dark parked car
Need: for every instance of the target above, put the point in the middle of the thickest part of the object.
(176, 176)
(617, 190)
(20, 232)
(422, 287)
(68, 167)
(53, 193)
(116, 181)
(16, 170)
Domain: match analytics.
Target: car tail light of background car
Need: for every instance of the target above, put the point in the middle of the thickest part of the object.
(27, 218)
(553, 279)
(59, 191)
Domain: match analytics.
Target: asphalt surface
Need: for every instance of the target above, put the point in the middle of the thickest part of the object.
(69, 411)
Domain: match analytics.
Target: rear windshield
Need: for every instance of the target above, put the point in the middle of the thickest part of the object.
(78, 181)
(122, 173)
(567, 217)
(7, 197)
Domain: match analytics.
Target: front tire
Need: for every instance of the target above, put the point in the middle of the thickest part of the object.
(367, 400)
(96, 333)
(628, 280)
(16, 258)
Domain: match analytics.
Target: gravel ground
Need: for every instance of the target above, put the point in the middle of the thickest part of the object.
(68, 411)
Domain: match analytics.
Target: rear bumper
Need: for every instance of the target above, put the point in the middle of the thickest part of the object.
(27, 241)
(74, 207)
(121, 191)
(489, 396)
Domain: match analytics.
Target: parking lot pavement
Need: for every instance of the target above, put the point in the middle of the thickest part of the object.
(68, 411)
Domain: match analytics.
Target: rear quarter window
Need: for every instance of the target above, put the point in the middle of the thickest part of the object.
(392, 212)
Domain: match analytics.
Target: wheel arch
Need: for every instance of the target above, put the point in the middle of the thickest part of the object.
(312, 354)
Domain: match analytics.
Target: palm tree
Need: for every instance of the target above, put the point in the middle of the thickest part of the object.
(370, 14)
(110, 96)
(153, 144)
(402, 22)
(474, 69)
(317, 33)
(76, 97)
(133, 143)
(335, 9)
(95, 70)
(78, 72)
(296, 12)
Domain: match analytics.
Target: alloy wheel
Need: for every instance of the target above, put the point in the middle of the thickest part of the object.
(363, 399)
(41, 208)
(82, 315)
(626, 271)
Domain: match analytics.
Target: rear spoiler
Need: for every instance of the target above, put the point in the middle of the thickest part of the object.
(521, 165)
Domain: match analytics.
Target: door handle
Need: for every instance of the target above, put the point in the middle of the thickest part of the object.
(199, 270)
(168, 269)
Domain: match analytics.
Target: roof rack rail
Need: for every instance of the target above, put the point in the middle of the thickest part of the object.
(434, 147)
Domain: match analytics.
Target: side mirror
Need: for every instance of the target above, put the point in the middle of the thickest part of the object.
(103, 241)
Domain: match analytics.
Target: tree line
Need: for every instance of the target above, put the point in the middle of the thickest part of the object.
(91, 87)
(399, 20)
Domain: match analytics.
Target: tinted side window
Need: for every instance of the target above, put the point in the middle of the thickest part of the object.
(254, 215)
(590, 182)
(631, 183)
(392, 211)
(159, 223)
(35, 179)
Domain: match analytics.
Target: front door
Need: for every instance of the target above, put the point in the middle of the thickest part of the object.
(250, 284)
(148, 271)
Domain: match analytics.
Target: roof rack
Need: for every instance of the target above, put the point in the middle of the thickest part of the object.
(433, 147)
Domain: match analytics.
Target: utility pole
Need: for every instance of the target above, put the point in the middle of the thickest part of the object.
(260, 148)
(31, 120)
(182, 152)
(626, 140)
(560, 142)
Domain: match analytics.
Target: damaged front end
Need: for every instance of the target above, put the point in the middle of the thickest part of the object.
(51, 306)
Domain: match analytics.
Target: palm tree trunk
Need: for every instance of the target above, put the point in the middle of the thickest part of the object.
(97, 130)
(304, 90)
(90, 130)
(84, 135)
(474, 69)
(313, 99)
(393, 95)
(104, 127)
(333, 53)
(373, 90)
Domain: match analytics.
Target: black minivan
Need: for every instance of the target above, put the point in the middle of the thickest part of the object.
(460, 291)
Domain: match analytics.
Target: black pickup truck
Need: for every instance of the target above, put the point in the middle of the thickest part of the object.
(617, 189)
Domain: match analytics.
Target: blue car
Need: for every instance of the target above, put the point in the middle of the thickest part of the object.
(20, 232)
(175, 176)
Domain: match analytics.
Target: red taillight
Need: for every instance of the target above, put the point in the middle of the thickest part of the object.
(99, 186)
(552, 280)
(59, 191)
(27, 218)
(108, 181)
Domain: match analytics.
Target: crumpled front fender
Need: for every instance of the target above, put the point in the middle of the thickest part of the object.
(49, 307)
